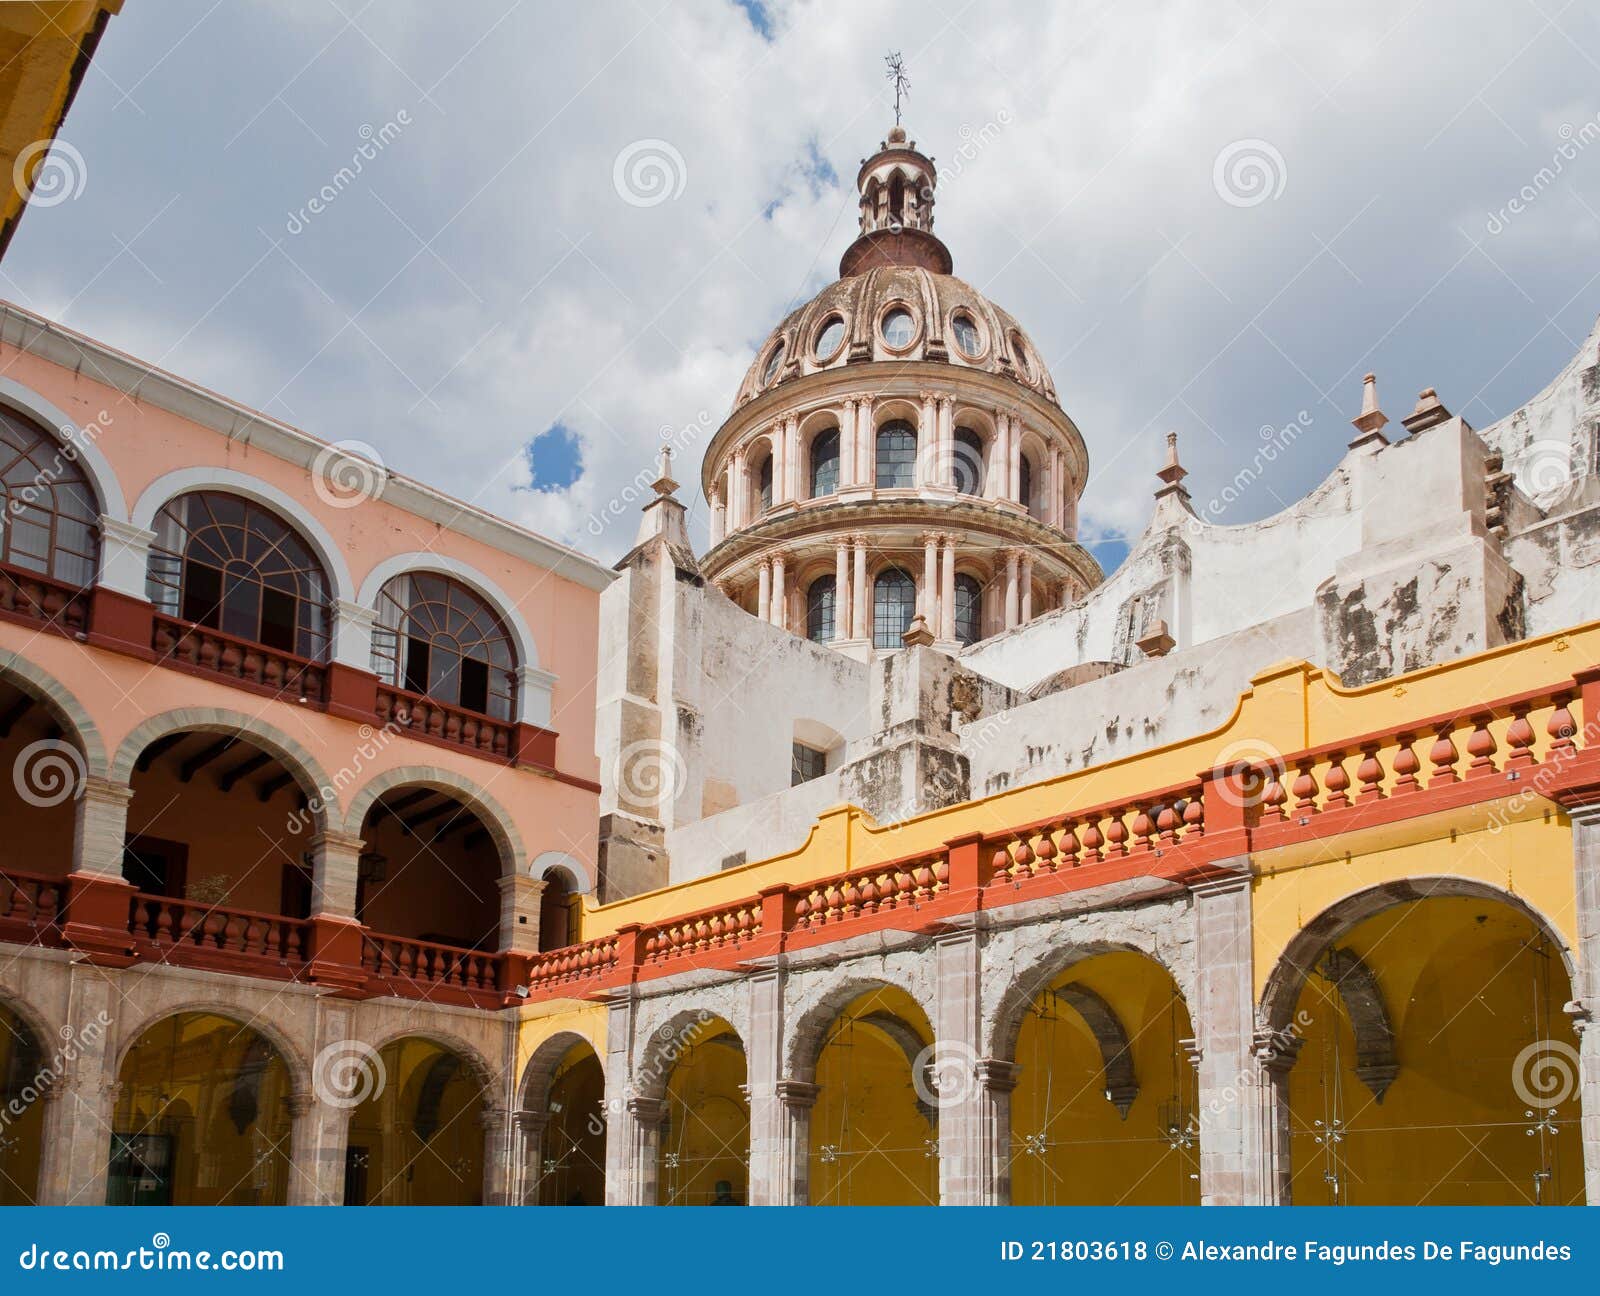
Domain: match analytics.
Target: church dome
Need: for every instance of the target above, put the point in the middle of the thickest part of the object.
(896, 313)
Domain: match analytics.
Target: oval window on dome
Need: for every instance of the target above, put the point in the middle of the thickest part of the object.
(899, 328)
(968, 339)
(1019, 351)
(771, 369)
(829, 339)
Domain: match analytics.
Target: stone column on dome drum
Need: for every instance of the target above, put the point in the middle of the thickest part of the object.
(780, 610)
(947, 586)
(947, 441)
(1224, 1018)
(865, 443)
(1013, 604)
(793, 475)
(718, 516)
(1586, 989)
(1014, 470)
(861, 625)
(779, 442)
(841, 590)
(1027, 588)
(927, 440)
(764, 592)
(847, 444)
(930, 581)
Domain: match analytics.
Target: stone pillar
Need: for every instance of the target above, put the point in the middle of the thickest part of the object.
(995, 1080)
(619, 1051)
(97, 894)
(644, 1118)
(930, 580)
(792, 467)
(499, 1166)
(80, 1110)
(847, 444)
(947, 441)
(529, 1154)
(764, 592)
(520, 897)
(739, 488)
(865, 443)
(1027, 588)
(1014, 470)
(780, 463)
(1585, 1007)
(791, 1177)
(100, 827)
(1268, 1163)
(780, 607)
(841, 590)
(764, 1064)
(1224, 1021)
(719, 517)
(1013, 603)
(964, 1171)
(860, 621)
(927, 440)
(947, 587)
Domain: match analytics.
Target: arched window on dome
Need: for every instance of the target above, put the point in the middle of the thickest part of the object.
(436, 637)
(897, 198)
(1025, 484)
(48, 510)
(894, 603)
(822, 601)
(764, 478)
(825, 463)
(229, 564)
(969, 462)
(969, 608)
(897, 455)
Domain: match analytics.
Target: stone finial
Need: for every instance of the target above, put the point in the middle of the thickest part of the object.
(1172, 472)
(1370, 422)
(1158, 643)
(917, 634)
(1430, 412)
(664, 483)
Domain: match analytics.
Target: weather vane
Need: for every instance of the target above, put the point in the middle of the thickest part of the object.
(902, 83)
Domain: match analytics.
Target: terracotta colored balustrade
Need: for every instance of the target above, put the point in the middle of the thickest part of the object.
(49, 602)
(428, 964)
(574, 963)
(422, 716)
(1093, 836)
(905, 884)
(30, 908)
(176, 931)
(214, 653)
(716, 929)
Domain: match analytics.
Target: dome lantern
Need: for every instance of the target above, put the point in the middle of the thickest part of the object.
(896, 186)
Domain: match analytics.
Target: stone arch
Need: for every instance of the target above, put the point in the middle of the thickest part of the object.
(321, 793)
(1005, 1011)
(474, 1061)
(1306, 949)
(579, 875)
(444, 565)
(294, 1059)
(662, 1036)
(542, 1066)
(812, 1017)
(33, 1017)
(500, 825)
(50, 693)
(96, 467)
(896, 409)
(291, 510)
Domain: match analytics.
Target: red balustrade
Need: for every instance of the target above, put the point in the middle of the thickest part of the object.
(192, 933)
(211, 652)
(30, 908)
(724, 928)
(419, 969)
(589, 960)
(424, 717)
(28, 596)
(906, 884)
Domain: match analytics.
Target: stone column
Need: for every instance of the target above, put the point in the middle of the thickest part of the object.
(619, 1052)
(793, 468)
(1224, 1020)
(719, 518)
(739, 489)
(1014, 471)
(80, 1111)
(861, 623)
(964, 1171)
(1585, 1008)
(520, 897)
(335, 864)
(1268, 1156)
(995, 1079)
(498, 1163)
(1027, 588)
(992, 459)
(100, 827)
(847, 444)
(97, 894)
(947, 441)
(927, 440)
(764, 1063)
(791, 1178)
(124, 556)
(864, 443)
(530, 1156)
(780, 607)
(780, 463)
(841, 590)
(947, 587)
(644, 1119)
(930, 580)
(764, 592)
(1013, 603)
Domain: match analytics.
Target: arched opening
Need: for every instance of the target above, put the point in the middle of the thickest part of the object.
(896, 456)
(417, 1137)
(968, 467)
(874, 1130)
(969, 608)
(50, 511)
(1025, 482)
(824, 476)
(439, 639)
(38, 800)
(764, 483)
(705, 1143)
(1105, 1109)
(572, 1164)
(22, 1090)
(894, 604)
(821, 609)
(1437, 1067)
(226, 563)
(201, 1117)
(430, 871)
(560, 909)
(216, 823)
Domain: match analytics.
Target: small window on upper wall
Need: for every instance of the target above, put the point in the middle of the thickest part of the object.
(899, 329)
(968, 339)
(773, 360)
(808, 764)
(829, 339)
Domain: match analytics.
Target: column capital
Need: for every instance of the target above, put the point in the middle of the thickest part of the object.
(104, 791)
(494, 1118)
(332, 837)
(648, 1112)
(797, 1095)
(532, 1122)
(995, 1075)
(300, 1104)
(1277, 1050)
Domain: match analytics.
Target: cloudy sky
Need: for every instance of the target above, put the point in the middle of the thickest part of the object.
(1212, 218)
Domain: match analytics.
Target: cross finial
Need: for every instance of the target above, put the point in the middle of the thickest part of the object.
(902, 83)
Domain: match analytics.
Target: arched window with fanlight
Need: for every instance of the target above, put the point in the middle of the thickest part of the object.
(435, 636)
(825, 463)
(227, 563)
(764, 478)
(897, 455)
(968, 608)
(894, 603)
(969, 462)
(49, 515)
(821, 609)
